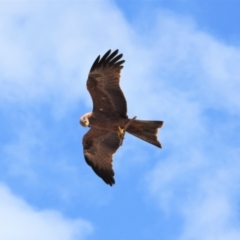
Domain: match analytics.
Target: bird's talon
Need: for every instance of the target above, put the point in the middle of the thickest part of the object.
(121, 132)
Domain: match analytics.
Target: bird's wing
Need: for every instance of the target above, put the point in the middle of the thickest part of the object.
(103, 85)
(99, 146)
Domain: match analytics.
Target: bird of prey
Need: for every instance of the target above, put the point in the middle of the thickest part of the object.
(108, 120)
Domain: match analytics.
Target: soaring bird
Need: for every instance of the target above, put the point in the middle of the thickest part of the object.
(108, 120)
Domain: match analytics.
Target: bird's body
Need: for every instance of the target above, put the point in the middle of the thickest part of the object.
(108, 121)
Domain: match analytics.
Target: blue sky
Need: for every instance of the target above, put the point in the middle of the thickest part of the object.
(182, 67)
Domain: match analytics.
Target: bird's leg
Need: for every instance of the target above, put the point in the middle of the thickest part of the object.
(121, 131)
(121, 134)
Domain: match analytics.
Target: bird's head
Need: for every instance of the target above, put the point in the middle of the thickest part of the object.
(84, 120)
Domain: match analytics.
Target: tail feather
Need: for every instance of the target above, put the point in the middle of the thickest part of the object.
(146, 130)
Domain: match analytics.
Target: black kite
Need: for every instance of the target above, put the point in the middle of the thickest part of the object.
(108, 121)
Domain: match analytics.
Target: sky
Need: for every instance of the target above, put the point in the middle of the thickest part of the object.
(182, 67)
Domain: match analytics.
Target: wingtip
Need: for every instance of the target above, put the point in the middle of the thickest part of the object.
(111, 184)
(108, 181)
(108, 58)
(115, 51)
(95, 63)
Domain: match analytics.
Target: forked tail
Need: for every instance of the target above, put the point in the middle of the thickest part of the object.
(146, 130)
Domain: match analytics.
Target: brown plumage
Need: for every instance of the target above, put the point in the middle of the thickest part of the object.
(108, 121)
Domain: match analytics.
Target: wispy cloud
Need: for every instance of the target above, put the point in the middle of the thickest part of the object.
(196, 178)
(43, 49)
(21, 221)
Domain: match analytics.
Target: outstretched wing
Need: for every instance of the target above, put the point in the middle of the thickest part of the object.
(103, 85)
(99, 146)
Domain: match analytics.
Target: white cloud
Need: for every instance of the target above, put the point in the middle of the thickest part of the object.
(21, 221)
(203, 65)
(196, 176)
(46, 46)
(212, 213)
